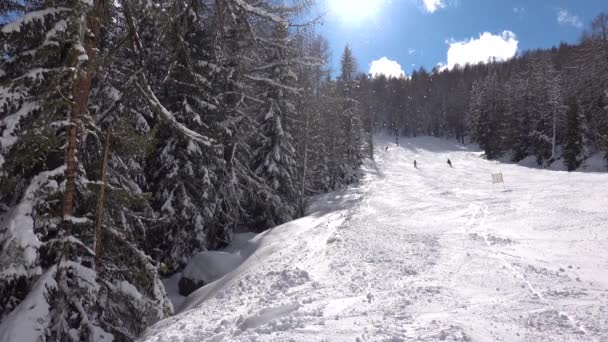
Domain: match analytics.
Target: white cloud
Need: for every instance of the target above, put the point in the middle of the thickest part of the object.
(387, 67)
(488, 46)
(566, 18)
(433, 5)
(411, 51)
(441, 66)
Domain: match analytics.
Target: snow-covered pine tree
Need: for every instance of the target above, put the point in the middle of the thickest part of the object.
(593, 82)
(457, 103)
(183, 174)
(520, 108)
(348, 145)
(41, 54)
(273, 154)
(55, 293)
(573, 142)
(484, 120)
(311, 72)
(549, 111)
(365, 103)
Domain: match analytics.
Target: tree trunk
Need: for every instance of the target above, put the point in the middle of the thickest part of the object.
(80, 101)
(101, 201)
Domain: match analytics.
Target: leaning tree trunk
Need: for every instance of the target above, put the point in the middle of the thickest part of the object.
(80, 101)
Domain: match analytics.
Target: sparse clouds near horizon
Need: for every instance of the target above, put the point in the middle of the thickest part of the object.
(488, 46)
(387, 67)
(564, 17)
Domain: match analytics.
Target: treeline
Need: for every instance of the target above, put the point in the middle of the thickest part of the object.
(548, 104)
(134, 133)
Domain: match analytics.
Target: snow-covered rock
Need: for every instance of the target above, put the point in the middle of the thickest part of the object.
(206, 267)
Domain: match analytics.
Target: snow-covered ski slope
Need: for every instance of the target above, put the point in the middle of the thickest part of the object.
(428, 254)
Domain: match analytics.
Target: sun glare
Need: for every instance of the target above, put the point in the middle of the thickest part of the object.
(354, 11)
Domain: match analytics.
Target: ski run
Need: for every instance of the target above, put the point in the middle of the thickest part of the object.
(427, 254)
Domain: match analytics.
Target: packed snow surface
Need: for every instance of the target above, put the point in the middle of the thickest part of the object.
(428, 254)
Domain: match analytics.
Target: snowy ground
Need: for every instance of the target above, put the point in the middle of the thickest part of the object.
(422, 254)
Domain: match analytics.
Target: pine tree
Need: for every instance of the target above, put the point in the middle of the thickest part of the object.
(484, 119)
(348, 146)
(573, 142)
(520, 108)
(274, 156)
(52, 48)
(185, 173)
(41, 54)
(549, 110)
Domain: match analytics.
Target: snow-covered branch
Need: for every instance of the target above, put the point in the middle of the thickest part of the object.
(274, 83)
(168, 117)
(260, 12)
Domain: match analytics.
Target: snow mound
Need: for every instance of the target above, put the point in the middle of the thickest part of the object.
(595, 163)
(206, 267)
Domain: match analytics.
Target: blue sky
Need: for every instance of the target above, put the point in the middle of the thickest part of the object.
(417, 33)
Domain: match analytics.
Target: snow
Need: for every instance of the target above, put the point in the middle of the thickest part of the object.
(594, 163)
(427, 254)
(209, 266)
(10, 123)
(273, 83)
(8, 95)
(20, 243)
(16, 25)
(130, 290)
(168, 205)
(172, 289)
(240, 248)
(193, 148)
(169, 117)
(260, 12)
(29, 321)
(50, 37)
(77, 220)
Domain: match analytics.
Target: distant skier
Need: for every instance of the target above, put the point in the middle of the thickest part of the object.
(450, 162)
(386, 149)
(415, 165)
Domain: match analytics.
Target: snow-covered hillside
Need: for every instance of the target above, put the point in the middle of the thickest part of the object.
(427, 254)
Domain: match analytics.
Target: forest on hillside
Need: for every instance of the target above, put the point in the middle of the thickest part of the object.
(135, 133)
(551, 105)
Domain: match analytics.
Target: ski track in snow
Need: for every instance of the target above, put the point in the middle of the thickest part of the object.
(427, 254)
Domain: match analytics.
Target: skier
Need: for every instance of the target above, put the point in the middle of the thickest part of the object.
(415, 165)
(450, 162)
(386, 149)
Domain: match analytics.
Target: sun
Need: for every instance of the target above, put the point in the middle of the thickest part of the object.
(354, 11)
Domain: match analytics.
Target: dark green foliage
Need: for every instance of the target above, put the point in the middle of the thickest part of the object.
(573, 140)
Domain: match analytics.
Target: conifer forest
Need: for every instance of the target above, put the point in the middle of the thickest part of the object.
(135, 134)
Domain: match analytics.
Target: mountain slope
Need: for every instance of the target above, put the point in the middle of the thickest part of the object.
(434, 253)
